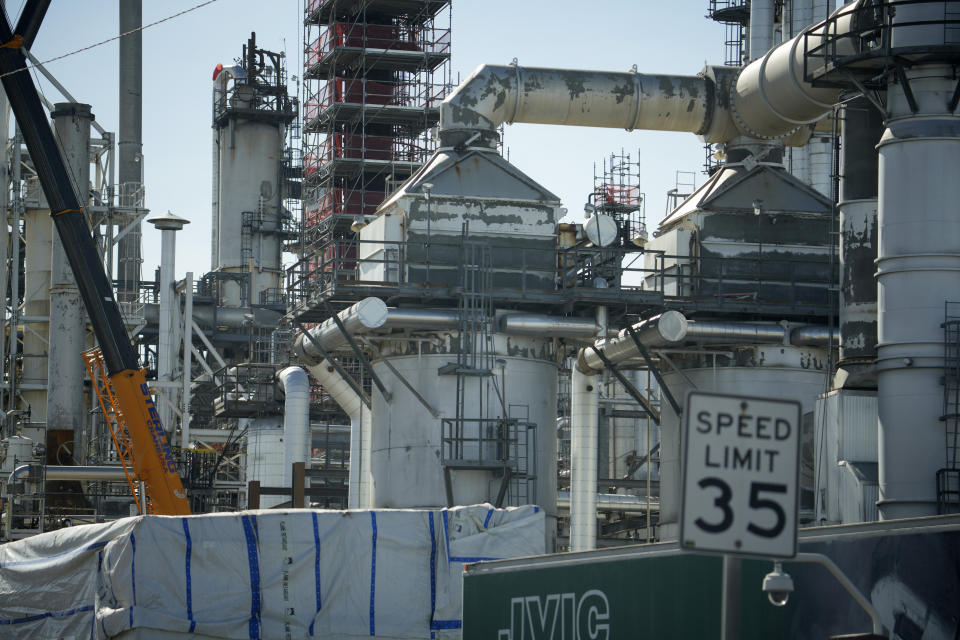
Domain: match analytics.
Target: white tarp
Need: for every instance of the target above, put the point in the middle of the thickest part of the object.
(258, 574)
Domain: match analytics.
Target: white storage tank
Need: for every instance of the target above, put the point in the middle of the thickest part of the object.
(769, 371)
(408, 452)
(266, 456)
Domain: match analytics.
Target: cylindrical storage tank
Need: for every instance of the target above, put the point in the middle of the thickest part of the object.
(918, 270)
(771, 371)
(247, 229)
(862, 127)
(266, 457)
(407, 445)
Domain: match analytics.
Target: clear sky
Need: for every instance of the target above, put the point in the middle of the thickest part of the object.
(179, 57)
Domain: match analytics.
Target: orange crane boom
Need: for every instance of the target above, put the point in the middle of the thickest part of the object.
(152, 461)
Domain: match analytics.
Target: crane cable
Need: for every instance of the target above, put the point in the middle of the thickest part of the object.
(17, 40)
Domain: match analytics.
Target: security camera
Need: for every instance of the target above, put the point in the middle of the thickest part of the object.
(778, 586)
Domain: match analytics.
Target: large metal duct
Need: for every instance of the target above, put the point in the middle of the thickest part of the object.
(297, 434)
(769, 99)
(584, 402)
(67, 340)
(351, 403)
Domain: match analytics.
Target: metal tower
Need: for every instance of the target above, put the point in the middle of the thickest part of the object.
(375, 73)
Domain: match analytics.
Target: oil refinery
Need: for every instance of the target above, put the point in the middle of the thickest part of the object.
(414, 397)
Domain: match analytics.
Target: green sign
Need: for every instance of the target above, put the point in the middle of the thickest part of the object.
(656, 596)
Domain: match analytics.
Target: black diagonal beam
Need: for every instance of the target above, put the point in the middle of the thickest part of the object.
(30, 18)
(632, 390)
(67, 210)
(655, 370)
(336, 365)
(356, 351)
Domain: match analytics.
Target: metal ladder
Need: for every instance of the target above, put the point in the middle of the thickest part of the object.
(948, 478)
(113, 416)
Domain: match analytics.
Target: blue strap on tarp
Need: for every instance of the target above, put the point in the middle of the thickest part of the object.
(90, 547)
(464, 559)
(316, 567)
(249, 523)
(373, 572)
(186, 561)
(133, 574)
(47, 614)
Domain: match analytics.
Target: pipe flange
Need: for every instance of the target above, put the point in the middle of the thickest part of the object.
(742, 124)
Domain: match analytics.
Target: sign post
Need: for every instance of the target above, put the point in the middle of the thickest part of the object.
(741, 464)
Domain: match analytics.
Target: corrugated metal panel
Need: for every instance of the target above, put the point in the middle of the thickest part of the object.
(858, 426)
(871, 494)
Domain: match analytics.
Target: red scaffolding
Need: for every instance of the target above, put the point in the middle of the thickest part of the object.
(375, 73)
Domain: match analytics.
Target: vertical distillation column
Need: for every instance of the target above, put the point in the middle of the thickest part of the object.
(65, 368)
(862, 125)
(130, 147)
(810, 163)
(918, 266)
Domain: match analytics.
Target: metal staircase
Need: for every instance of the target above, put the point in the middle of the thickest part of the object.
(473, 441)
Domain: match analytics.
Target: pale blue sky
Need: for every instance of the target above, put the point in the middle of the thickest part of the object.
(179, 57)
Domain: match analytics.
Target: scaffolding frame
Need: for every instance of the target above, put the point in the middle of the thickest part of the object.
(375, 73)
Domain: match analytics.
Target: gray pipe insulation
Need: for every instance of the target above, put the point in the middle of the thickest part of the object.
(768, 99)
(80, 472)
(672, 328)
(372, 314)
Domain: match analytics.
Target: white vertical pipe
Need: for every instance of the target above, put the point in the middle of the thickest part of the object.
(584, 401)
(348, 399)
(65, 368)
(165, 345)
(296, 421)
(187, 359)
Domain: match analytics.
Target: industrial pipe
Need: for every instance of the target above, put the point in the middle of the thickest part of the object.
(207, 314)
(351, 403)
(82, 472)
(584, 401)
(297, 434)
(672, 328)
(369, 315)
(769, 99)
(610, 502)
(531, 324)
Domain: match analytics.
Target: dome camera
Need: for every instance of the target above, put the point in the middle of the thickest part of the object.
(778, 586)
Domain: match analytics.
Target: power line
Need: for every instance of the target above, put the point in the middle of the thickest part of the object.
(116, 37)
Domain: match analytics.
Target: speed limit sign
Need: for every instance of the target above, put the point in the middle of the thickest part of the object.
(741, 462)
